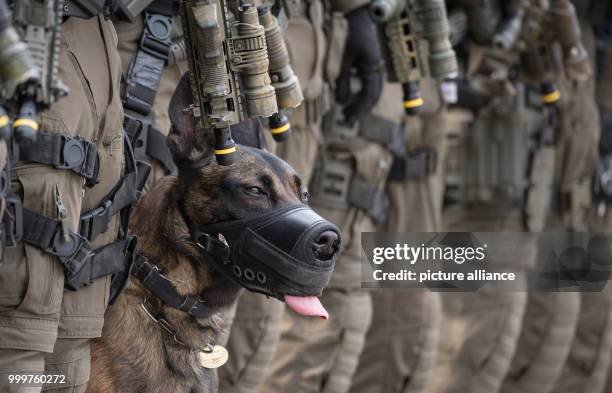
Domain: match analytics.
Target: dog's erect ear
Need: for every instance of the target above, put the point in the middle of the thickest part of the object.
(184, 140)
(249, 133)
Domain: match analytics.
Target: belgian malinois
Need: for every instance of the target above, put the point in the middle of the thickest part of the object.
(137, 354)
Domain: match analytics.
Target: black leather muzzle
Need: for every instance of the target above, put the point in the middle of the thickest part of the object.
(274, 253)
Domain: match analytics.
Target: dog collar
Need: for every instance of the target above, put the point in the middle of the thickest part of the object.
(211, 356)
(150, 275)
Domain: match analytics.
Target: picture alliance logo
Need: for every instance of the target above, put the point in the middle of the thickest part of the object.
(423, 253)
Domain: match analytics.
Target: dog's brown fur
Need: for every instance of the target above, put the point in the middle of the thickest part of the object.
(134, 354)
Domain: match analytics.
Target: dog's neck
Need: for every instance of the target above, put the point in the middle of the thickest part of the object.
(164, 239)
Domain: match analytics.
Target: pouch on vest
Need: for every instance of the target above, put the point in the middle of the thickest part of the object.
(351, 171)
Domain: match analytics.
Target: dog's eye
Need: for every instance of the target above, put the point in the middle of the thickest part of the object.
(256, 191)
(305, 196)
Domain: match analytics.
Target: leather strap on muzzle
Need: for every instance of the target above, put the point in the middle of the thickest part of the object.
(272, 253)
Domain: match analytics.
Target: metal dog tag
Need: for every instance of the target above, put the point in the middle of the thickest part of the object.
(216, 358)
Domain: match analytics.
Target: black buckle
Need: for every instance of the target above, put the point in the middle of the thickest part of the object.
(80, 156)
(92, 222)
(75, 254)
(203, 241)
(139, 136)
(13, 220)
(156, 39)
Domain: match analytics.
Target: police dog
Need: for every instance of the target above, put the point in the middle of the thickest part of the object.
(135, 354)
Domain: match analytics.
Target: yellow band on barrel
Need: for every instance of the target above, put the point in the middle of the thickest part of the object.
(551, 97)
(281, 129)
(225, 151)
(413, 103)
(26, 122)
(4, 120)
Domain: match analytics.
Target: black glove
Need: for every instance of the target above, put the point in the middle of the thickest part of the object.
(362, 53)
(605, 141)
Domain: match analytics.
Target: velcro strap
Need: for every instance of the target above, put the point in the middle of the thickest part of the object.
(148, 142)
(152, 278)
(384, 132)
(39, 230)
(416, 165)
(63, 152)
(369, 198)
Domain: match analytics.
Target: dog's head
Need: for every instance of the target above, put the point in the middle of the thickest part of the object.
(274, 243)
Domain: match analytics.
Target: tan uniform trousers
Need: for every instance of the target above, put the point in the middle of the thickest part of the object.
(43, 328)
(480, 330)
(604, 100)
(550, 320)
(589, 357)
(402, 342)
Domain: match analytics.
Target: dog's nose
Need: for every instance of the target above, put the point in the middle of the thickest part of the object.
(326, 245)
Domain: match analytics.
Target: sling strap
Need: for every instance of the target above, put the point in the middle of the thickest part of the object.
(142, 82)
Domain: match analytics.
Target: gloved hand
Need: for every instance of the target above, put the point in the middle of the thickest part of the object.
(362, 53)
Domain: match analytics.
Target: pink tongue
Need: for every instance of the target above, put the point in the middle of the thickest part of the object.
(307, 305)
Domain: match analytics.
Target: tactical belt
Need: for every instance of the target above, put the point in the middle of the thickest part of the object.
(62, 152)
(142, 82)
(82, 263)
(150, 275)
(416, 165)
(335, 186)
